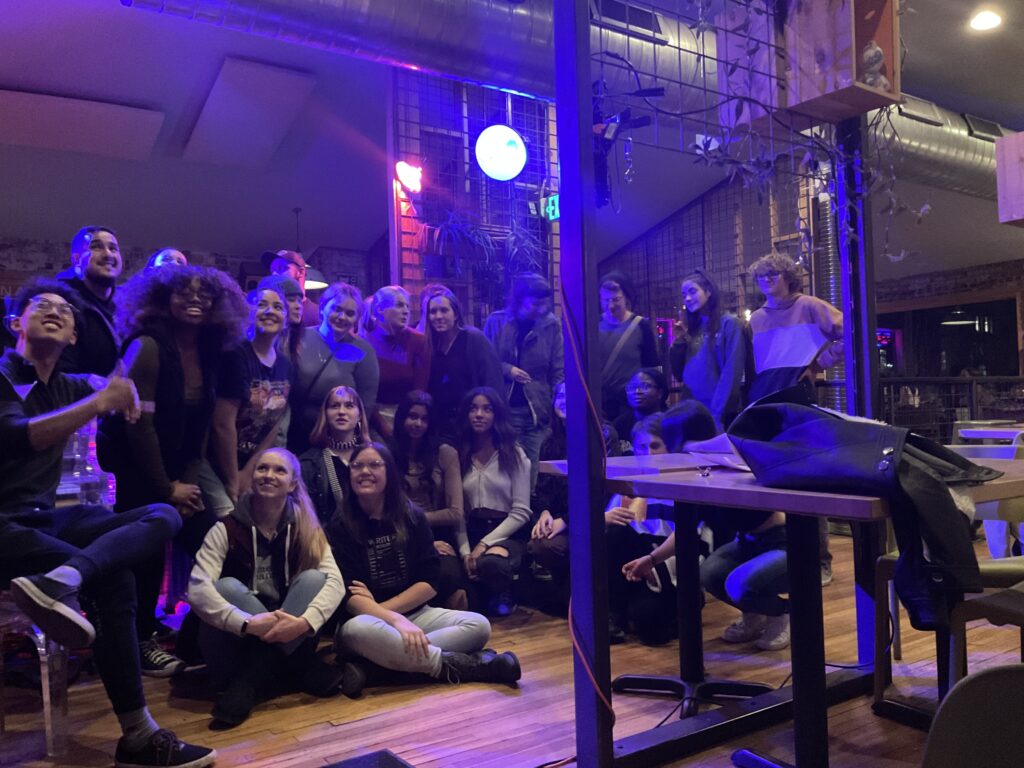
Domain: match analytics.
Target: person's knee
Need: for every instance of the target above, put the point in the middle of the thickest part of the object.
(492, 566)
(231, 589)
(477, 624)
(311, 578)
(164, 518)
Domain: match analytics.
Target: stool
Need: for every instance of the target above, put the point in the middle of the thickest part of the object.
(53, 675)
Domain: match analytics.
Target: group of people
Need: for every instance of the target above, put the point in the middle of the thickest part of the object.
(326, 467)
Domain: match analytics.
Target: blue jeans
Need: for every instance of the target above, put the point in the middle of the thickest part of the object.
(531, 437)
(750, 572)
(222, 650)
(103, 547)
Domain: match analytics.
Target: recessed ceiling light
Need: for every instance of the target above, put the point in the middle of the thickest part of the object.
(986, 20)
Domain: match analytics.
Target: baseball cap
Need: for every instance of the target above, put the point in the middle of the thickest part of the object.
(293, 256)
(280, 283)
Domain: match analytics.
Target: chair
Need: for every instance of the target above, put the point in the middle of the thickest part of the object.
(53, 675)
(978, 724)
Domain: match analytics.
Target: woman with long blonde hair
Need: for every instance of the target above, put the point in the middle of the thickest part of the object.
(265, 582)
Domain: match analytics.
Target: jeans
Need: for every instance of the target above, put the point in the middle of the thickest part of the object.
(531, 437)
(222, 650)
(382, 644)
(215, 496)
(103, 547)
(750, 572)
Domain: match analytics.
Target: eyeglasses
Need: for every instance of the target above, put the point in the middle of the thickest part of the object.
(642, 387)
(375, 465)
(48, 305)
(772, 275)
(202, 294)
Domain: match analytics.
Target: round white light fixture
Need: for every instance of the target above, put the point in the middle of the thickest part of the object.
(983, 21)
(500, 152)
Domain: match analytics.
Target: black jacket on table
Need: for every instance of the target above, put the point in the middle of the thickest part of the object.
(808, 448)
(385, 564)
(96, 350)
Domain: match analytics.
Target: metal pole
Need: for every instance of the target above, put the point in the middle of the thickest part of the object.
(580, 316)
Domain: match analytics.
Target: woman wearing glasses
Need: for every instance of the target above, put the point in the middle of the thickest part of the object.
(646, 394)
(709, 356)
(176, 322)
(385, 548)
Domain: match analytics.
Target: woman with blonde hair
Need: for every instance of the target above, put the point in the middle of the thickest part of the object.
(341, 426)
(263, 585)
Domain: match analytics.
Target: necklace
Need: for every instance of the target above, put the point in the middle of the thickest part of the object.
(342, 445)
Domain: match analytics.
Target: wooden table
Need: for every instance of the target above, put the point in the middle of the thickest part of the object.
(620, 466)
(811, 692)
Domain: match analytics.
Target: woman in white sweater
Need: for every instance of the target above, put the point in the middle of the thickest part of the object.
(496, 485)
(264, 583)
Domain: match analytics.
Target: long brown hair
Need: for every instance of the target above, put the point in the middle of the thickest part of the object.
(397, 510)
(321, 432)
(309, 536)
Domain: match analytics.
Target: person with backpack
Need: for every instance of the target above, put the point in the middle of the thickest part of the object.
(710, 355)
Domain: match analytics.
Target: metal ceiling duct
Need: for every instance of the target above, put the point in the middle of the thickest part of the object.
(509, 44)
(936, 148)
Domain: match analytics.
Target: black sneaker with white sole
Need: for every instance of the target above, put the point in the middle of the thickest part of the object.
(156, 662)
(54, 608)
(163, 748)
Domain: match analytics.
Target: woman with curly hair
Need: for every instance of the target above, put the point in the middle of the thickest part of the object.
(341, 427)
(264, 584)
(433, 482)
(496, 485)
(176, 322)
(332, 356)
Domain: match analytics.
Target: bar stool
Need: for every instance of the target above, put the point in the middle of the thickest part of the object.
(53, 675)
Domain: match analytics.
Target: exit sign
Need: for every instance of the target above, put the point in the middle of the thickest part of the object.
(549, 208)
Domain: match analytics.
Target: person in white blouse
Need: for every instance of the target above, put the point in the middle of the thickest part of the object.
(496, 485)
(264, 583)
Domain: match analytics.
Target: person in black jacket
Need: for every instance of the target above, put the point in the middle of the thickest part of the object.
(95, 266)
(385, 547)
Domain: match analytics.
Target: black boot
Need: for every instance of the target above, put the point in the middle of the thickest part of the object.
(467, 668)
(314, 675)
(258, 679)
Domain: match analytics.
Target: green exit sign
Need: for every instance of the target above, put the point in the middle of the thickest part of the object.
(549, 208)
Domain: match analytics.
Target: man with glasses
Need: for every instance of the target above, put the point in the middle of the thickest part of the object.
(291, 264)
(54, 556)
(96, 265)
(795, 337)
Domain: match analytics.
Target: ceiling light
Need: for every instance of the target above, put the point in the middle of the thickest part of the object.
(956, 317)
(315, 279)
(983, 21)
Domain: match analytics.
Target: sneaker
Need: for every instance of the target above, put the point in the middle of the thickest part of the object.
(746, 628)
(156, 662)
(163, 748)
(503, 605)
(826, 574)
(776, 634)
(54, 608)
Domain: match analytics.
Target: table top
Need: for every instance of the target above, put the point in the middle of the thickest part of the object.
(618, 466)
(1008, 432)
(729, 488)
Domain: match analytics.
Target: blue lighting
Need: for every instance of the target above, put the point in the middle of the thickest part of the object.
(500, 152)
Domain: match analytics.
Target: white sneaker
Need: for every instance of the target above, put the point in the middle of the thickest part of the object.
(746, 628)
(776, 634)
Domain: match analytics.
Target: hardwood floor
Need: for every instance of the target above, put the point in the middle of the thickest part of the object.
(480, 725)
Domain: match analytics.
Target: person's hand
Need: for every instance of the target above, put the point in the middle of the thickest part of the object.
(520, 376)
(119, 395)
(559, 525)
(413, 638)
(542, 529)
(358, 589)
(186, 497)
(287, 628)
(639, 569)
(444, 549)
(470, 560)
(260, 623)
(618, 516)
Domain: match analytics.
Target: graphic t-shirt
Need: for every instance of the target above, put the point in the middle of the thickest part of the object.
(262, 392)
(389, 569)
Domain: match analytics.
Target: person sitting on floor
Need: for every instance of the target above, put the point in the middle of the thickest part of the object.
(53, 556)
(264, 583)
(386, 548)
(496, 484)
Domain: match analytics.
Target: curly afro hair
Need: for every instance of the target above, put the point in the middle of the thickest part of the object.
(143, 303)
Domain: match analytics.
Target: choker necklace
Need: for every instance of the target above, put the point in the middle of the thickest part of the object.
(339, 445)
